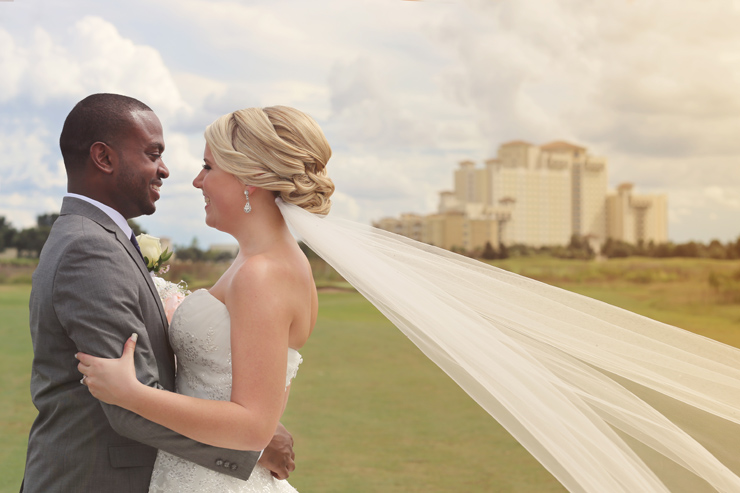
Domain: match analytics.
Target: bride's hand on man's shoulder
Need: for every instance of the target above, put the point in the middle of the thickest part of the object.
(112, 381)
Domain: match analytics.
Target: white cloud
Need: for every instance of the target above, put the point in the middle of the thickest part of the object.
(21, 209)
(508, 68)
(365, 114)
(671, 172)
(345, 206)
(647, 78)
(691, 207)
(236, 25)
(12, 67)
(26, 162)
(724, 197)
(94, 57)
(53, 74)
(306, 33)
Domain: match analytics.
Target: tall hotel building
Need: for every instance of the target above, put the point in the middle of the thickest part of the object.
(538, 196)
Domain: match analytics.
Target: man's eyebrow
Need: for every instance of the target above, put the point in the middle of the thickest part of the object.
(157, 145)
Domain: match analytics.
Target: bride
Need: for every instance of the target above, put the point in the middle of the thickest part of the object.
(606, 400)
(236, 344)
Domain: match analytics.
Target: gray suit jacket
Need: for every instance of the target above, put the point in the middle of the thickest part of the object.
(90, 292)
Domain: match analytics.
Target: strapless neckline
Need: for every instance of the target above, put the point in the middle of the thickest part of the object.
(221, 303)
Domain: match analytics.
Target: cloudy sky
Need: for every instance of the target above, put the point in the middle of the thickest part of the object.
(403, 90)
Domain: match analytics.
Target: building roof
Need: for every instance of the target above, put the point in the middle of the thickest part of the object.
(561, 145)
(513, 143)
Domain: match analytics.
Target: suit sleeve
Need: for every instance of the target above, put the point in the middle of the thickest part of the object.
(96, 299)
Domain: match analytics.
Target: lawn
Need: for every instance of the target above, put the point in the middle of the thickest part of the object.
(16, 412)
(675, 291)
(370, 413)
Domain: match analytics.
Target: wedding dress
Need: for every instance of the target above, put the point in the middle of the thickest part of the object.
(607, 400)
(200, 336)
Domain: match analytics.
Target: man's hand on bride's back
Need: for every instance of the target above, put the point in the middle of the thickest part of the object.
(278, 457)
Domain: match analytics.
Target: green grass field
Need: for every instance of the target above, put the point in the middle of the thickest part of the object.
(16, 411)
(370, 413)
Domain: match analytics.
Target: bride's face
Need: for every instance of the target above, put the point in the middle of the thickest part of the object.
(222, 192)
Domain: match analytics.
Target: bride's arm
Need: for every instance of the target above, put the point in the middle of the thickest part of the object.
(259, 304)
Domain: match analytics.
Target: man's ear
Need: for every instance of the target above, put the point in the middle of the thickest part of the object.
(103, 157)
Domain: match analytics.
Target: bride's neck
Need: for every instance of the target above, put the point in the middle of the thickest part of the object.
(261, 231)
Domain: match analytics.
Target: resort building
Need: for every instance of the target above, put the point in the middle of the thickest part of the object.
(634, 218)
(538, 196)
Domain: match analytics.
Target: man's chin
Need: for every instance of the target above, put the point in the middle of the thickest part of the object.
(148, 210)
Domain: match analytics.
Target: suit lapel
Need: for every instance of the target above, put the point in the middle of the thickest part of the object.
(71, 205)
(136, 258)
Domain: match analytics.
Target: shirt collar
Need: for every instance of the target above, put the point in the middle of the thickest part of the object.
(109, 211)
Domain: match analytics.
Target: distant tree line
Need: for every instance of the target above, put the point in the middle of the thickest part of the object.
(577, 248)
(693, 249)
(580, 248)
(196, 254)
(30, 241)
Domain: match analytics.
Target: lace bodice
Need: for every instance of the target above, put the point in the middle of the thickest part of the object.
(200, 336)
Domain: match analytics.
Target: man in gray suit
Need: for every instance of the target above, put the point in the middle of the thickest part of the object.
(91, 291)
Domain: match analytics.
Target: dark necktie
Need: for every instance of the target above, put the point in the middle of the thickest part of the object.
(136, 244)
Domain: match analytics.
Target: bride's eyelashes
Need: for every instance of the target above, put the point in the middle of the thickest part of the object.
(206, 166)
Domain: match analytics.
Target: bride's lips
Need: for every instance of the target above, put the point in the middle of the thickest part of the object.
(207, 200)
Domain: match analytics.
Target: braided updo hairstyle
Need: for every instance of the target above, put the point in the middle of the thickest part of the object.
(277, 148)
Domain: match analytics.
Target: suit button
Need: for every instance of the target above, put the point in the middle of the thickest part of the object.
(234, 467)
(219, 462)
(227, 464)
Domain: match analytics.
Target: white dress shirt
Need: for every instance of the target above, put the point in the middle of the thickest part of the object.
(109, 211)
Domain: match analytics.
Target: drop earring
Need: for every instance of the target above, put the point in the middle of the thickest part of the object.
(247, 206)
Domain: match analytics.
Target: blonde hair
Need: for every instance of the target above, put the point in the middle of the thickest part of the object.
(277, 148)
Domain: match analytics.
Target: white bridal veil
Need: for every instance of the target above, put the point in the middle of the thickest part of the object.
(606, 400)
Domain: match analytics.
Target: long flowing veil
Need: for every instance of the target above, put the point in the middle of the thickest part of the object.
(605, 399)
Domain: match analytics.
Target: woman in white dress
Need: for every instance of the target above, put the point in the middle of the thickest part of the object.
(236, 344)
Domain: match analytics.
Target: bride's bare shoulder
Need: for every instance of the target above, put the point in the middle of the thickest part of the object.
(275, 270)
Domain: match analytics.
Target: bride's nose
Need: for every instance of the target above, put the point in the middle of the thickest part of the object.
(198, 182)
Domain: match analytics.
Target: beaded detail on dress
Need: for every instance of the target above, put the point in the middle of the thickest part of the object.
(200, 337)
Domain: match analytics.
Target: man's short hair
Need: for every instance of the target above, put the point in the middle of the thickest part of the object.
(97, 118)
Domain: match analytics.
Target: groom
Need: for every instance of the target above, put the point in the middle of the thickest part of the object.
(91, 291)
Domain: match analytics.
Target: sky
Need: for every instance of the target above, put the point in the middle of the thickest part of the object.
(403, 90)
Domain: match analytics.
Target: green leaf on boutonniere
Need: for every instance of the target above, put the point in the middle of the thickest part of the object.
(165, 255)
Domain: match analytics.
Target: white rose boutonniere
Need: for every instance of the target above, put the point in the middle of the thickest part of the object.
(151, 249)
(171, 294)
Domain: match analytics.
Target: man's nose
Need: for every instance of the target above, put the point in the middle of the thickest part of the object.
(164, 172)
